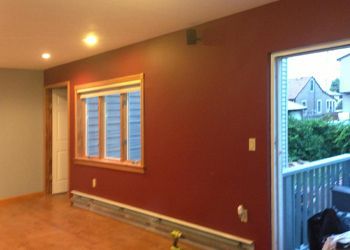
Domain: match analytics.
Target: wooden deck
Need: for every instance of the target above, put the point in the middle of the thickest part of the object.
(307, 190)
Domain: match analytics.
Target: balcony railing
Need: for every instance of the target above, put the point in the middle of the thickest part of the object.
(307, 190)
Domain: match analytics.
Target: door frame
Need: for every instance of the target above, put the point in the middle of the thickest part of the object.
(48, 133)
(276, 177)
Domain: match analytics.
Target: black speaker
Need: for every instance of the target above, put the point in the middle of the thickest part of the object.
(191, 35)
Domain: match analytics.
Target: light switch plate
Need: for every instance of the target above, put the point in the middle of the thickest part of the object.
(252, 144)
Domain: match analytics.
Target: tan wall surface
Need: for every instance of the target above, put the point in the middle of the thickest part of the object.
(21, 132)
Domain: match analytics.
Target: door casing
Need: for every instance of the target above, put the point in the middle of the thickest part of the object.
(48, 133)
(276, 185)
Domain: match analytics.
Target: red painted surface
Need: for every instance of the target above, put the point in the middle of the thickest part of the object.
(202, 103)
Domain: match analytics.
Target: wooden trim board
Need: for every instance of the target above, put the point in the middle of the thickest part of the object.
(48, 133)
(100, 89)
(47, 139)
(192, 232)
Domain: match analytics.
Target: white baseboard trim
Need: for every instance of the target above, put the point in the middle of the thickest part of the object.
(162, 223)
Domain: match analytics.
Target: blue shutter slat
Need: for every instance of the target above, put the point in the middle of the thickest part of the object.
(134, 126)
(92, 127)
(112, 126)
(113, 131)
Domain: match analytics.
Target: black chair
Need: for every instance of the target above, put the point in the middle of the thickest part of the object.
(322, 225)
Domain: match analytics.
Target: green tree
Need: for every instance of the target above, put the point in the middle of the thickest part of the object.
(311, 140)
(342, 140)
(335, 85)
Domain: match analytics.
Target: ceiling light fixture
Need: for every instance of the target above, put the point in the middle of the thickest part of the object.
(46, 56)
(90, 40)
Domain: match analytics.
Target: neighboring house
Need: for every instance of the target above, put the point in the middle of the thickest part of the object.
(337, 96)
(307, 92)
(344, 85)
(295, 110)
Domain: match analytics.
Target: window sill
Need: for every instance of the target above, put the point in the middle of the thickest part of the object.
(110, 164)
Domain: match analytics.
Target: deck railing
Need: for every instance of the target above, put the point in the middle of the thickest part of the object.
(307, 190)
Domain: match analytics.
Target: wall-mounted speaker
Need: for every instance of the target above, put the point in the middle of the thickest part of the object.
(191, 36)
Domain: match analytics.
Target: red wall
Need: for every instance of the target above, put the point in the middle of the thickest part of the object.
(202, 103)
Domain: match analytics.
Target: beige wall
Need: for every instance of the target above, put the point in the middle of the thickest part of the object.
(21, 132)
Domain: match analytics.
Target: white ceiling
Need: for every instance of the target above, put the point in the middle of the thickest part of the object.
(30, 27)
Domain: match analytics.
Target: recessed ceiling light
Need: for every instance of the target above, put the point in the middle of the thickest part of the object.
(45, 56)
(90, 40)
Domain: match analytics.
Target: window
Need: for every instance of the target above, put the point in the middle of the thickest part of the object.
(109, 124)
(328, 105)
(312, 86)
(319, 106)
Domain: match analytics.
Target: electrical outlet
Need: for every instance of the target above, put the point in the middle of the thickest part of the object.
(242, 213)
(94, 183)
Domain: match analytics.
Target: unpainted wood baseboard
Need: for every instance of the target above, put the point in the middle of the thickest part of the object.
(206, 237)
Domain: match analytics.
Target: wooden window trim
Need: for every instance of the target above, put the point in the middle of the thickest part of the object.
(123, 119)
(101, 126)
(80, 158)
(110, 164)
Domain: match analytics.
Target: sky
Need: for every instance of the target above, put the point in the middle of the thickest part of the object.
(322, 65)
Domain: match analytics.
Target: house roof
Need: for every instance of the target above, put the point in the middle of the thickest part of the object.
(341, 58)
(293, 106)
(296, 85)
(332, 93)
